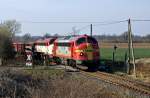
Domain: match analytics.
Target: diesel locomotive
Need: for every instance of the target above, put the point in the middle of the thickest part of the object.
(71, 50)
(80, 50)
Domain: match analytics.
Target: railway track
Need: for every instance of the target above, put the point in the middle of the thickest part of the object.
(124, 82)
(130, 80)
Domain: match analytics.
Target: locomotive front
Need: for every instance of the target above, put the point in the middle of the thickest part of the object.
(80, 50)
(86, 51)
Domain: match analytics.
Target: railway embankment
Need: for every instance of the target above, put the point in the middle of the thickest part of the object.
(143, 69)
(54, 82)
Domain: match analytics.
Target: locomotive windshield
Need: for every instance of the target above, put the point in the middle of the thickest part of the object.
(91, 40)
(86, 40)
(64, 44)
(80, 41)
(51, 41)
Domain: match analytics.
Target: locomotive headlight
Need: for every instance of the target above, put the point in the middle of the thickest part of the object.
(81, 54)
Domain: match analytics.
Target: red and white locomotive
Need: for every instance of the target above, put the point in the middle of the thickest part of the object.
(79, 50)
(71, 50)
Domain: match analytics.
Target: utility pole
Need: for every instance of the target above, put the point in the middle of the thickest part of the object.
(130, 47)
(91, 29)
(129, 41)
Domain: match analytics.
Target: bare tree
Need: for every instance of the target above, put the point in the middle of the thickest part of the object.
(13, 27)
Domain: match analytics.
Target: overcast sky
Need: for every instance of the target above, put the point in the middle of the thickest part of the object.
(29, 11)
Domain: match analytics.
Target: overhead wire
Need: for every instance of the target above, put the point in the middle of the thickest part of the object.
(114, 22)
(110, 23)
(102, 23)
(91, 22)
(136, 20)
(86, 22)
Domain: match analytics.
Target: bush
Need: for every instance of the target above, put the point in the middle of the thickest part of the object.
(6, 48)
(7, 51)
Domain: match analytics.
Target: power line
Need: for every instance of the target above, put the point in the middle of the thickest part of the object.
(57, 22)
(134, 20)
(66, 17)
(69, 33)
(84, 22)
(110, 23)
(90, 22)
(101, 23)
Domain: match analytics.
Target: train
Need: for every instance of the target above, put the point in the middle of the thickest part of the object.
(82, 50)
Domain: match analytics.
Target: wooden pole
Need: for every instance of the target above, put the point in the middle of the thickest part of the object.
(130, 47)
(129, 40)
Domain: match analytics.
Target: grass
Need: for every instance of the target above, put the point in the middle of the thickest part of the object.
(44, 72)
(106, 53)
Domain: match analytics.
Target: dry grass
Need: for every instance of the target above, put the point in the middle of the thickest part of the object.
(18, 84)
(143, 69)
(74, 88)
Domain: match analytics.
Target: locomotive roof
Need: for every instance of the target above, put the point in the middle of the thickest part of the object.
(19, 43)
(69, 38)
(45, 40)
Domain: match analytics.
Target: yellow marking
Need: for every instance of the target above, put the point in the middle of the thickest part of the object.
(89, 54)
(79, 50)
(87, 50)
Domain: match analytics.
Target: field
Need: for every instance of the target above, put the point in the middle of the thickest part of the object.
(141, 50)
(142, 58)
(106, 53)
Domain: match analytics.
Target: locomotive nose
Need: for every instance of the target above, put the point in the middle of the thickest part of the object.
(90, 51)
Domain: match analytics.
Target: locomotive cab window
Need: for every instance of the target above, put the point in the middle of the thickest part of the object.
(51, 41)
(91, 40)
(64, 44)
(80, 41)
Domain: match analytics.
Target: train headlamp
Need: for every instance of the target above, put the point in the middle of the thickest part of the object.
(81, 54)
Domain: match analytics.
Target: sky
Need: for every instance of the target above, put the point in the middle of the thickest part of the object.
(39, 17)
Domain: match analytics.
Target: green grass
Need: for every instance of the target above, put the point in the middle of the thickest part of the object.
(106, 53)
